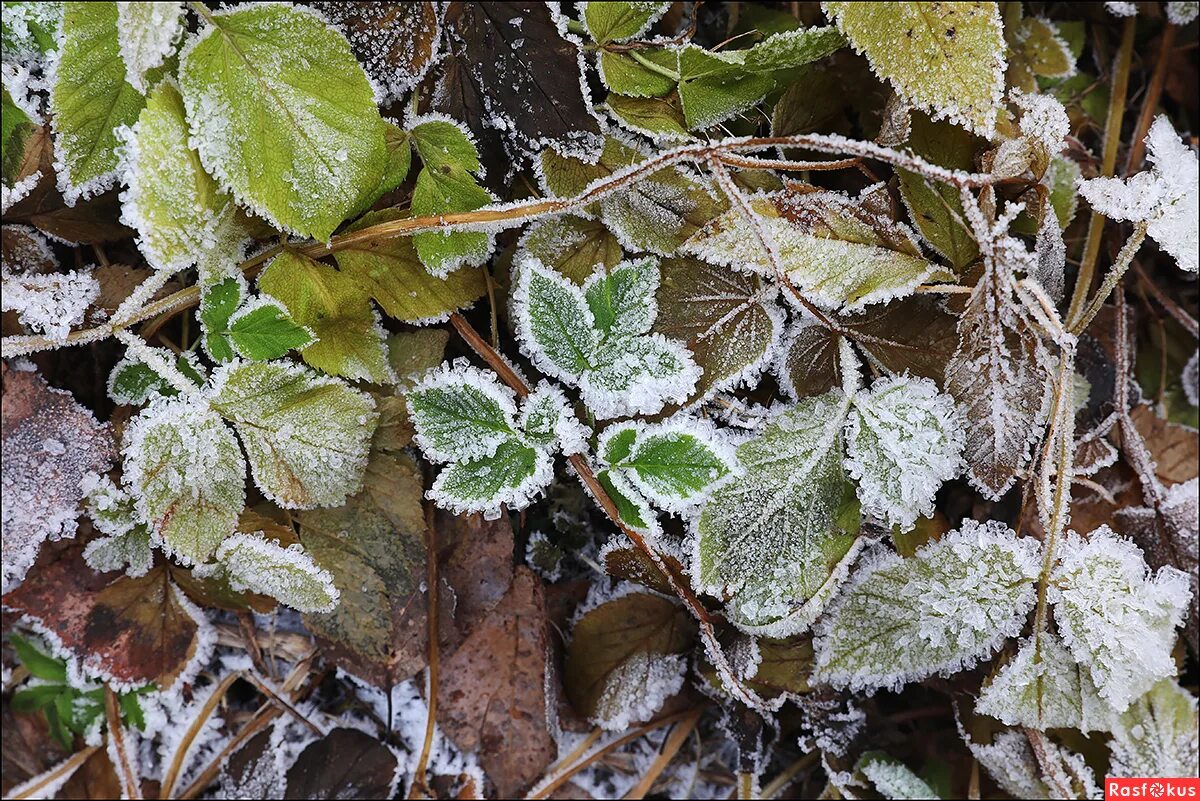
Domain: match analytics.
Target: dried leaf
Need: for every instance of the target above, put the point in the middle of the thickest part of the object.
(346, 763)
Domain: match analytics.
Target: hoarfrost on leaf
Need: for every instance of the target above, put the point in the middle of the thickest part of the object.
(637, 688)
(461, 413)
(1157, 735)
(953, 603)
(148, 34)
(892, 778)
(1167, 196)
(1117, 620)
(903, 439)
(288, 574)
(50, 302)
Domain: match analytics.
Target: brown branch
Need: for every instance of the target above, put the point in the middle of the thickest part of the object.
(1150, 102)
(420, 783)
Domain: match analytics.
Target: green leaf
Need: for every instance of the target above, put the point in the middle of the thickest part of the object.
(955, 602)
(841, 252)
(263, 331)
(182, 217)
(268, 125)
(892, 778)
(625, 657)
(650, 73)
(130, 551)
(572, 246)
(40, 665)
(791, 49)
(335, 307)
(558, 320)
(635, 511)
(442, 190)
(31, 699)
(187, 474)
(218, 302)
(947, 58)
(1044, 688)
(903, 440)
(622, 300)
(728, 320)
(1157, 735)
(774, 536)
(90, 98)
(461, 414)
(617, 22)
(132, 383)
(306, 436)
(442, 143)
(714, 86)
(15, 130)
(676, 464)
(1116, 618)
(512, 475)
(392, 273)
(252, 562)
(547, 420)
(660, 118)
(30, 30)
(935, 207)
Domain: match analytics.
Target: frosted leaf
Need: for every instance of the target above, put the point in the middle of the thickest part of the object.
(1051, 250)
(50, 303)
(1167, 196)
(1157, 735)
(547, 419)
(131, 552)
(29, 30)
(289, 575)
(148, 34)
(773, 536)
(54, 451)
(185, 469)
(395, 42)
(676, 464)
(513, 476)
(461, 413)
(953, 603)
(182, 217)
(946, 58)
(1043, 688)
(1181, 13)
(633, 507)
(1010, 761)
(1043, 120)
(306, 436)
(1121, 9)
(903, 439)
(89, 99)
(262, 330)
(110, 507)
(1190, 378)
(1117, 620)
(597, 337)
(892, 778)
(619, 22)
(838, 250)
(637, 688)
(255, 83)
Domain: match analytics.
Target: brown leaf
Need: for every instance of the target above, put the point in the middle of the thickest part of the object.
(492, 695)
(23, 249)
(95, 779)
(1175, 448)
(607, 637)
(26, 748)
(395, 42)
(810, 362)
(632, 564)
(346, 763)
(132, 630)
(475, 558)
(250, 772)
(510, 70)
(51, 444)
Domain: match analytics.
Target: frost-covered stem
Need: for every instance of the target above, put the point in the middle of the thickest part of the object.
(152, 358)
(1115, 273)
(755, 163)
(944, 289)
(1150, 102)
(131, 786)
(420, 780)
(584, 470)
(745, 785)
(1051, 769)
(1108, 163)
(43, 784)
(172, 772)
(1132, 444)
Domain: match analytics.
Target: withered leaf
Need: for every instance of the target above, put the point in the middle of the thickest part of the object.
(1175, 449)
(492, 695)
(510, 71)
(632, 564)
(475, 558)
(130, 630)
(95, 779)
(346, 763)
(395, 42)
(26, 748)
(609, 636)
(51, 443)
(23, 249)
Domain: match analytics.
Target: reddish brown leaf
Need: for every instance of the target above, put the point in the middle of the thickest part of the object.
(492, 694)
(395, 42)
(346, 763)
(475, 558)
(26, 748)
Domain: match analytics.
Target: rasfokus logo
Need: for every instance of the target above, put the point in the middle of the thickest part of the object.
(1152, 787)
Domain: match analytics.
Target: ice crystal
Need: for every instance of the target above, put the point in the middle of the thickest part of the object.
(1043, 120)
(637, 688)
(50, 302)
(148, 35)
(1157, 735)
(893, 779)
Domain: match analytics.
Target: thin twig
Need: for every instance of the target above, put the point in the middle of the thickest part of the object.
(131, 786)
(671, 747)
(1150, 102)
(38, 786)
(175, 768)
(420, 780)
(1124, 258)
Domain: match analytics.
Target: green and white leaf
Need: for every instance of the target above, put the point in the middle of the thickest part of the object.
(892, 778)
(218, 302)
(1117, 619)
(131, 552)
(546, 419)
(512, 476)
(618, 22)
(185, 470)
(461, 413)
(1157, 735)
(951, 604)
(633, 507)
(89, 99)
(946, 58)
(133, 382)
(903, 440)
(182, 217)
(148, 34)
(350, 340)
(1010, 761)
(289, 575)
(1043, 688)
(776, 535)
(676, 464)
(266, 124)
(262, 330)
(306, 436)
(29, 30)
